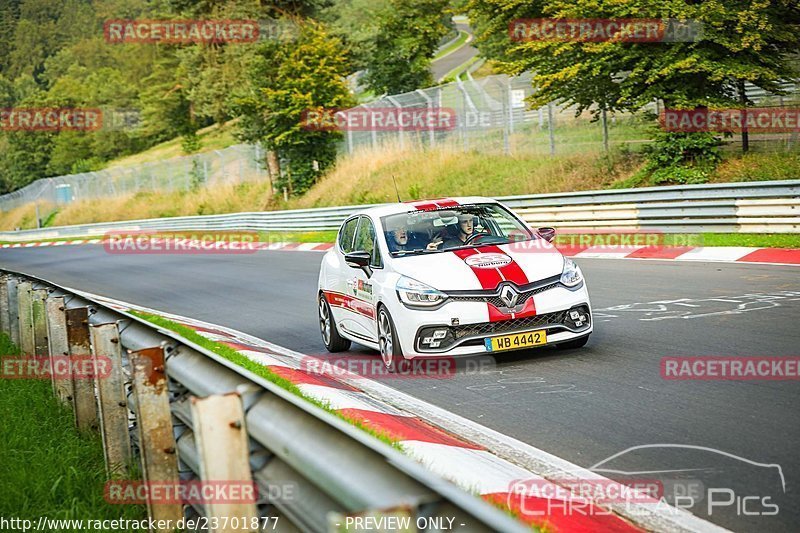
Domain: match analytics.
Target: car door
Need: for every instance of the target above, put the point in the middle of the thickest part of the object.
(360, 286)
(337, 293)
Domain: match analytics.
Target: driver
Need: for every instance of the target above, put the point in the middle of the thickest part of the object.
(466, 228)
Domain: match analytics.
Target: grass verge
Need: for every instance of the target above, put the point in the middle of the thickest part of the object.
(453, 46)
(260, 370)
(48, 468)
(758, 240)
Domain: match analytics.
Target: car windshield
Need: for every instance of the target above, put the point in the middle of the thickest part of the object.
(464, 226)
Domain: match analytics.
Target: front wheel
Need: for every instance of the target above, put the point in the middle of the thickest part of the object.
(391, 353)
(574, 343)
(327, 326)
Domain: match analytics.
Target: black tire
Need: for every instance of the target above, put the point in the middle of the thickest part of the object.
(327, 327)
(574, 343)
(388, 343)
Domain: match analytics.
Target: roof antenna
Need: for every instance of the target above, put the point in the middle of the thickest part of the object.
(396, 190)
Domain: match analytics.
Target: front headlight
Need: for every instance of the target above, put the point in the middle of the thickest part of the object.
(417, 294)
(571, 276)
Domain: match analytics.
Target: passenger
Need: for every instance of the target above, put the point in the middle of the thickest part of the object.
(400, 239)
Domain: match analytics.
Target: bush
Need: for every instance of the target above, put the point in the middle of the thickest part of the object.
(679, 158)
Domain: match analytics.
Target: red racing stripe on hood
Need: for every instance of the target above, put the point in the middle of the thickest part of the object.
(512, 271)
(489, 278)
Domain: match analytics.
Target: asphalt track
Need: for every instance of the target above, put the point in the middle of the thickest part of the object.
(584, 405)
(442, 67)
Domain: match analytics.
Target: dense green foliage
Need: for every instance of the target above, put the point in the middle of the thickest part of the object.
(53, 54)
(408, 35)
(741, 40)
(290, 79)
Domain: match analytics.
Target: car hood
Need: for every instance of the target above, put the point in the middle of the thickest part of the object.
(482, 267)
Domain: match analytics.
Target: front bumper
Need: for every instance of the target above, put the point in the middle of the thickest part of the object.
(466, 337)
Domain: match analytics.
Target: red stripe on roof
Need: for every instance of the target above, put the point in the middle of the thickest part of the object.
(406, 428)
(446, 202)
(433, 204)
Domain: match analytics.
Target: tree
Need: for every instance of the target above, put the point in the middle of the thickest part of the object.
(742, 41)
(408, 35)
(289, 79)
(356, 23)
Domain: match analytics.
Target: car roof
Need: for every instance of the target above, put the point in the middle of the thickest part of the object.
(424, 205)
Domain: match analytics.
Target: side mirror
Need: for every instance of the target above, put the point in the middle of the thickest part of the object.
(359, 259)
(547, 233)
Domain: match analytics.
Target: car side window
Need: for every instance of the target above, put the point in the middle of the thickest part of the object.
(346, 235)
(365, 241)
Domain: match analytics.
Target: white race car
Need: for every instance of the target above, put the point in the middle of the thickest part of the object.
(448, 277)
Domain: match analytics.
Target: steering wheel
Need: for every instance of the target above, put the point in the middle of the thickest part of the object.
(473, 236)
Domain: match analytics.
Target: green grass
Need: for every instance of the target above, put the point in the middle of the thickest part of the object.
(460, 68)
(455, 45)
(298, 236)
(48, 468)
(760, 240)
(215, 137)
(260, 370)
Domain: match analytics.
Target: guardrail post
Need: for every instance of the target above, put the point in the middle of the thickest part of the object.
(5, 326)
(38, 297)
(24, 296)
(154, 422)
(13, 309)
(111, 399)
(223, 449)
(59, 345)
(82, 385)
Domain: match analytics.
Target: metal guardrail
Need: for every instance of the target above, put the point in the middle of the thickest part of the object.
(334, 467)
(750, 207)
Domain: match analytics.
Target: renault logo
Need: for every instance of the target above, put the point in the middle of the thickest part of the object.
(509, 295)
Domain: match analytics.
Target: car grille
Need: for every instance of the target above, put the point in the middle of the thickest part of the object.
(473, 334)
(495, 300)
(515, 324)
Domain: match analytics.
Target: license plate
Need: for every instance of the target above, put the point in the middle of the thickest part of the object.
(516, 341)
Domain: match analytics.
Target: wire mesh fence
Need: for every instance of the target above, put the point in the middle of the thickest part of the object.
(492, 115)
(234, 164)
(488, 114)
